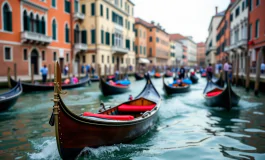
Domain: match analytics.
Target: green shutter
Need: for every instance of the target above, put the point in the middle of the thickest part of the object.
(102, 37)
(43, 27)
(101, 10)
(53, 3)
(129, 25)
(76, 6)
(53, 31)
(93, 36)
(107, 42)
(113, 39)
(84, 35)
(92, 9)
(40, 26)
(107, 12)
(66, 35)
(83, 8)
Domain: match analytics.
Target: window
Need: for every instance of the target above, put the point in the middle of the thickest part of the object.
(250, 5)
(113, 59)
(121, 60)
(54, 3)
(107, 12)
(7, 19)
(121, 3)
(66, 33)
(129, 25)
(150, 30)
(67, 57)
(150, 52)
(136, 32)
(243, 6)
(116, 18)
(76, 34)
(54, 56)
(108, 59)
(93, 58)
(67, 6)
(92, 9)
(84, 59)
(237, 11)
(250, 31)
(257, 29)
(102, 58)
(8, 53)
(93, 36)
(25, 21)
(76, 5)
(83, 37)
(25, 54)
(157, 39)
(136, 49)
(102, 37)
(257, 2)
(101, 10)
(43, 25)
(107, 41)
(54, 30)
(144, 50)
(140, 49)
(128, 44)
(43, 55)
(150, 39)
(83, 8)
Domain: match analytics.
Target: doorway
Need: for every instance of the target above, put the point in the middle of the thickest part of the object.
(118, 63)
(76, 63)
(61, 61)
(34, 60)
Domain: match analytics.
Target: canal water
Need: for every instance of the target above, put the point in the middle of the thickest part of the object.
(186, 128)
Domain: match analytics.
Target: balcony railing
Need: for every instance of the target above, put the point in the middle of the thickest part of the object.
(119, 50)
(242, 43)
(79, 16)
(81, 47)
(118, 28)
(227, 48)
(33, 37)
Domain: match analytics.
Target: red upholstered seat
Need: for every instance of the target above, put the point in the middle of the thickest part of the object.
(112, 117)
(214, 93)
(118, 85)
(132, 108)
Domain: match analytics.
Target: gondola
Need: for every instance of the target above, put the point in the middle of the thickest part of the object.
(219, 96)
(108, 89)
(157, 75)
(9, 98)
(28, 87)
(115, 125)
(194, 79)
(169, 74)
(94, 78)
(173, 90)
(138, 76)
(219, 81)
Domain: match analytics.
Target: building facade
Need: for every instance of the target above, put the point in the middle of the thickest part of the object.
(211, 39)
(158, 44)
(110, 33)
(176, 53)
(191, 48)
(36, 33)
(201, 54)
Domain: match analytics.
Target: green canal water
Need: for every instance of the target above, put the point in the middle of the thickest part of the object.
(186, 129)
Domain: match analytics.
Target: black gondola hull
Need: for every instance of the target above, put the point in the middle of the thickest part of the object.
(107, 89)
(27, 87)
(138, 76)
(194, 79)
(8, 99)
(171, 90)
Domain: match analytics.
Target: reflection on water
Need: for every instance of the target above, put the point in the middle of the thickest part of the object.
(187, 129)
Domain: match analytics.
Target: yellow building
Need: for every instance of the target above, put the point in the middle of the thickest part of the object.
(110, 36)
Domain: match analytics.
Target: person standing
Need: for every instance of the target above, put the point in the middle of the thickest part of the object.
(209, 71)
(66, 70)
(226, 70)
(87, 69)
(44, 72)
(182, 73)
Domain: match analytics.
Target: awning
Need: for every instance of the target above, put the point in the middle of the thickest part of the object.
(143, 60)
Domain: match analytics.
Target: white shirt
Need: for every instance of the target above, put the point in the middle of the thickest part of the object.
(262, 66)
(226, 67)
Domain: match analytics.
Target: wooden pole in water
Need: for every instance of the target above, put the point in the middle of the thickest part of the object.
(237, 68)
(8, 77)
(50, 73)
(32, 73)
(99, 70)
(15, 71)
(105, 72)
(247, 75)
(68, 71)
(258, 72)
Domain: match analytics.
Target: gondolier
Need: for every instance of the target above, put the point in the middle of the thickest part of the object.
(226, 70)
(44, 72)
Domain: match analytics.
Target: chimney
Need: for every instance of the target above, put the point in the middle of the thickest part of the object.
(216, 10)
(152, 22)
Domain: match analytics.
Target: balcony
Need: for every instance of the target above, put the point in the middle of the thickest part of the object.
(81, 47)
(209, 49)
(119, 50)
(227, 48)
(242, 44)
(79, 16)
(36, 38)
(118, 28)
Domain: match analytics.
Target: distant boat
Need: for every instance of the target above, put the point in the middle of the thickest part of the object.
(175, 89)
(108, 89)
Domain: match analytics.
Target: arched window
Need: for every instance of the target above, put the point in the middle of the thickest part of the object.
(25, 21)
(54, 30)
(66, 33)
(31, 22)
(43, 25)
(37, 22)
(77, 34)
(7, 17)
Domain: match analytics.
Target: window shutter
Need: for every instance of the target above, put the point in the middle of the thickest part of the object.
(43, 27)
(10, 21)
(102, 37)
(93, 39)
(84, 35)
(92, 9)
(113, 39)
(84, 9)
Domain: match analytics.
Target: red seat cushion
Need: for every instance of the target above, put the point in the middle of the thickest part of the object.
(113, 117)
(132, 108)
(214, 93)
(204, 74)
